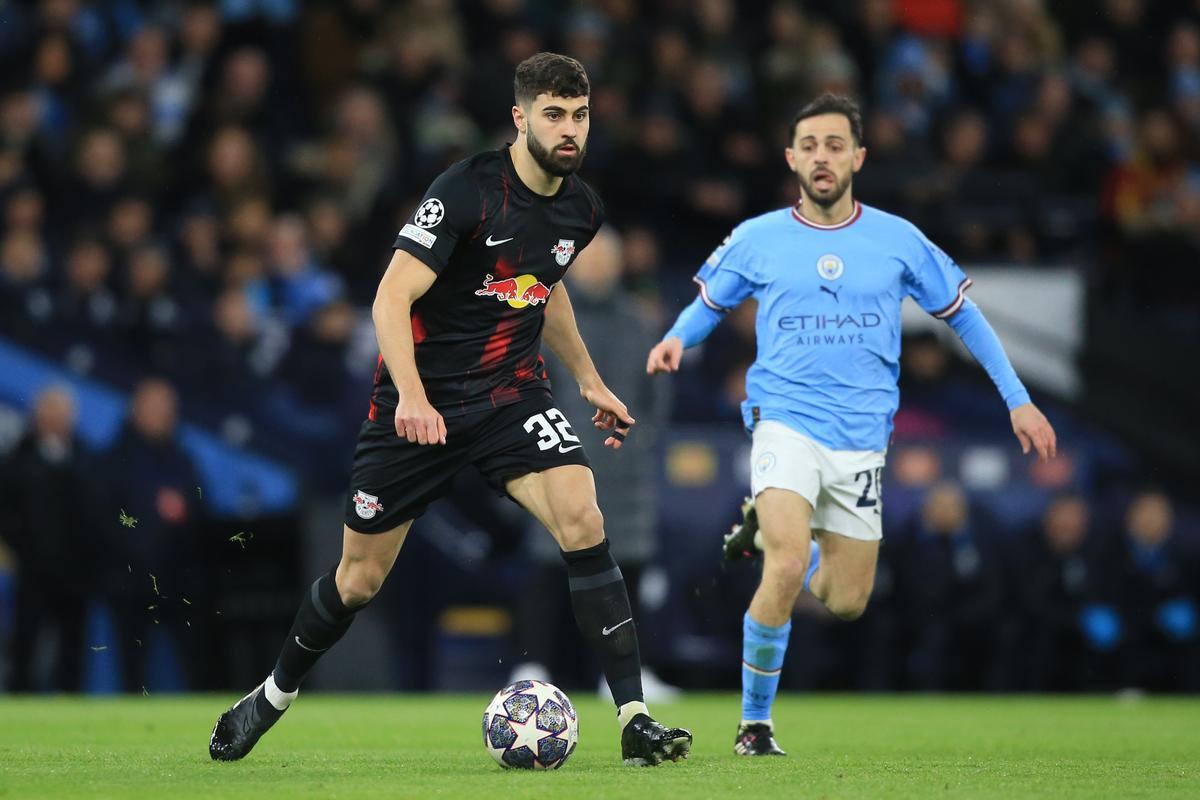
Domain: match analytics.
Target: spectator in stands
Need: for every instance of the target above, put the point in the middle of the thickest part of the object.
(98, 181)
(951, 592)
(1156, 585)
(1056, 576)
(26, 304)
(150, 571)
(146, 68)
(1152, 201)
(129, 114)
(85, 307)
(325, 376)
(48, 496)
(296, 285)
(234, 357)
(198, 254)
(151, 319)
(130, 226)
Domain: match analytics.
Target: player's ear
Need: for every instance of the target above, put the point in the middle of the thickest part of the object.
(859, 157)
(519, 121)
(789, 155)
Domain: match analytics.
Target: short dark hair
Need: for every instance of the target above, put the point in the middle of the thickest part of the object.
(550, 73)
(830, 103)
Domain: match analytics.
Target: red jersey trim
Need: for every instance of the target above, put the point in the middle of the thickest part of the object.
(850, 220)
(961, 296)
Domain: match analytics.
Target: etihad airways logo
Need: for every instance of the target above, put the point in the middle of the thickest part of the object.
(817, 329)
(824, 322)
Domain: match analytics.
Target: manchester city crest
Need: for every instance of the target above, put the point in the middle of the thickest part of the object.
(830, 266)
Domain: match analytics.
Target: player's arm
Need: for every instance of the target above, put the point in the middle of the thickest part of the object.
(724, 283)
(692, 326)
(939, 286)
(561, 333)
(1031, 427)
(405, 280)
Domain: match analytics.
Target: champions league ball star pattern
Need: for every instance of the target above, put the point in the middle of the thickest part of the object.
(530, 725)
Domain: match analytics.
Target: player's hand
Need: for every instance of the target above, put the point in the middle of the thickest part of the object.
(665, 356)
(1033, 430)
(611, 413)
(418, 421)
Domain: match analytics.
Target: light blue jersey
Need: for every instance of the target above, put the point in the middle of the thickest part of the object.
(829, 318)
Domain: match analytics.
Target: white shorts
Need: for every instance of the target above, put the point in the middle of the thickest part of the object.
(841, 485)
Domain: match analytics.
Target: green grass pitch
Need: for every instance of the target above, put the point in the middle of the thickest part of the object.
(357, 746)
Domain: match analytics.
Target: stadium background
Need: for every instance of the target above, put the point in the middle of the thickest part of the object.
(198, 200)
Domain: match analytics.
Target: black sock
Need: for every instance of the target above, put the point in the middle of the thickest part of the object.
(602, 612)
(320, 622)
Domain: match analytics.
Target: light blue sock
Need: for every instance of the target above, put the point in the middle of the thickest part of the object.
(814, 561)
(762, 659)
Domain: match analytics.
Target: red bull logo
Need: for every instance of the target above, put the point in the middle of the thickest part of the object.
(518, 292)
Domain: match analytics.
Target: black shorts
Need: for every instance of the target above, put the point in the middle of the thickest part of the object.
(393, 481)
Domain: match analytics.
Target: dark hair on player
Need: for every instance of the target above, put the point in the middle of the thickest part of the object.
(549, 73)
(830, 103)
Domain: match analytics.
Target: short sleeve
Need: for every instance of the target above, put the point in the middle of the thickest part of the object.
(449, 210)
(729, 275)
(937, 283)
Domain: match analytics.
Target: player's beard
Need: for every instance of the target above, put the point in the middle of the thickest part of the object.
(554, 162)
(827, 200)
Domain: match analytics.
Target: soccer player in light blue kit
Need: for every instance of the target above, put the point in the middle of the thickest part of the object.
(829, 275)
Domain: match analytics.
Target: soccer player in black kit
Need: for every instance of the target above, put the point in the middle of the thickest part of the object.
(472, 287)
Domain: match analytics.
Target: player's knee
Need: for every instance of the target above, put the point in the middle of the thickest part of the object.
(580, 525)
(849, 606)
(359, 582)
(788, 567)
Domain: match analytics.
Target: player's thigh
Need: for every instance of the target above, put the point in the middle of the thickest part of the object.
(564, 500)
(530, 452)
(784, 518)
(848, 563)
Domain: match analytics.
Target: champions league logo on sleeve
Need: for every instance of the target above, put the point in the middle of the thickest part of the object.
(830, 267)
(430, 213)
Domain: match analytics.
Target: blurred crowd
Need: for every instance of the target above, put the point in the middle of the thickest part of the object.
(208, 191)
(1073, 602)
(199, 197)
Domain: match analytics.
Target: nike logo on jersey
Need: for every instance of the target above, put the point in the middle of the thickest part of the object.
(607, 631)
(832, 292)
(310, 649)
(493, 242)
(563, 449)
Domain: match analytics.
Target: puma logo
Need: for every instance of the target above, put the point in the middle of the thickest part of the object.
(832, 292)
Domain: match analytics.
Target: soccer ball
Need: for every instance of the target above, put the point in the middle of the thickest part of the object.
(530, 725)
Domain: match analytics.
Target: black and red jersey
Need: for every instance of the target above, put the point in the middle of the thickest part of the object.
(498, 249)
